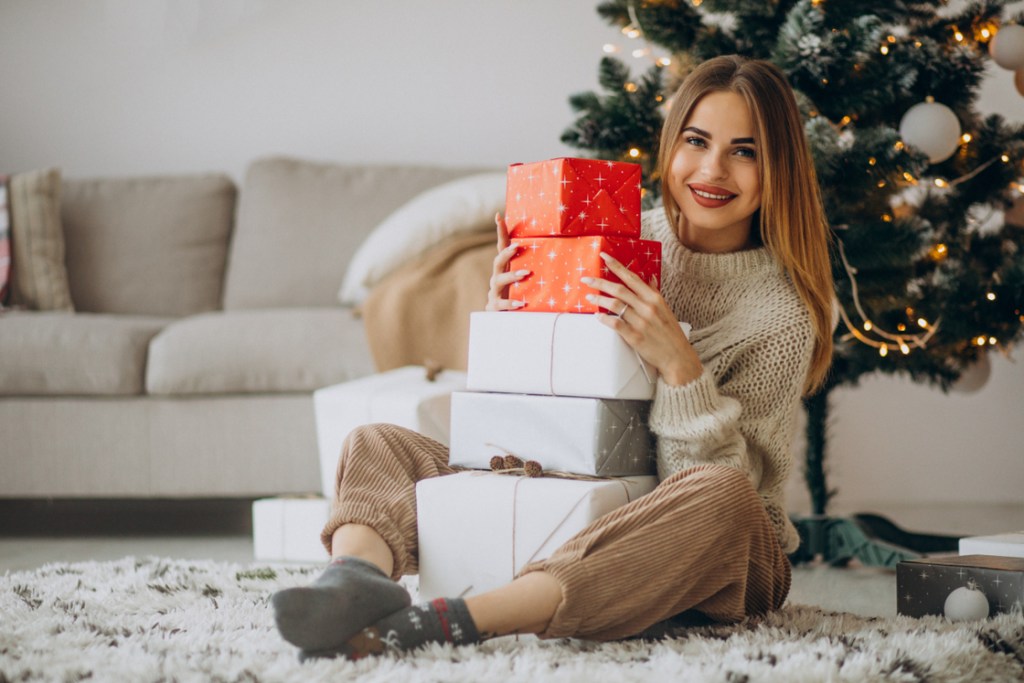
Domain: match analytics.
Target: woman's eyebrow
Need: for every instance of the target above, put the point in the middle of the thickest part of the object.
(704, 133)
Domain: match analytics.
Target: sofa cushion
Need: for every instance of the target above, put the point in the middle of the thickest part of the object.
(149, 245)
(39, 278)
(271, 350)
(299, 223)
(60, 353)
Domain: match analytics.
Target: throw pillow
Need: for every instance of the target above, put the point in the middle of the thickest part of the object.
(464, 205)
(39, 277)
(5, 245)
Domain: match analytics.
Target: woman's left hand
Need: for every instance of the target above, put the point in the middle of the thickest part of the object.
(644, 320)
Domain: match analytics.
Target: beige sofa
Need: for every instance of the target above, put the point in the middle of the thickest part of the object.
(204, 317)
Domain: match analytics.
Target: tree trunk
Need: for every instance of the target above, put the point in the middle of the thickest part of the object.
(817, 407)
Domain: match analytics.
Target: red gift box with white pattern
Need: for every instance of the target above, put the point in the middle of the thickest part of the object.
(571, 197)
(556, 265)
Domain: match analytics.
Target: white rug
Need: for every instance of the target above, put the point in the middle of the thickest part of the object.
(157, 619)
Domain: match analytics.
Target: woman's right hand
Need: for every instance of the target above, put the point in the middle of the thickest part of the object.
(500, 277)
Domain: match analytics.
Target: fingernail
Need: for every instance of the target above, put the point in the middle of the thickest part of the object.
(586, 280)
(518, 304)
(606, 257)
(522, 273)
(590, 297)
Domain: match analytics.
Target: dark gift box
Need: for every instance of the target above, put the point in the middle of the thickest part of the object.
(923, 585)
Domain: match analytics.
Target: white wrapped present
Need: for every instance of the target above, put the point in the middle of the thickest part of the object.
(404, 397)
(562, 354)
(1004, 545)
(478, 529)
(288, 529)
(603, 437)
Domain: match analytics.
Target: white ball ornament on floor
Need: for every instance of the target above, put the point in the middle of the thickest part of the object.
(1007, 47)
(932, 128)
(966, 603)
(1018, 80)
(974, 376)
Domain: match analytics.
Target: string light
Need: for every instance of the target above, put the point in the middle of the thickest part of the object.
(634, 152)
(991, 296)
(965, 138)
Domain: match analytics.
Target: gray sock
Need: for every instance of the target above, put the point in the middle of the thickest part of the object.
(439, 621)
(350, 595)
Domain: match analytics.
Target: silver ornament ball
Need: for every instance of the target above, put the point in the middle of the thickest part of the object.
(1007, 47)
(966, 604)
(932, 128)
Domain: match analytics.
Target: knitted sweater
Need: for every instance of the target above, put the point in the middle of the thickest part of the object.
(754, 338)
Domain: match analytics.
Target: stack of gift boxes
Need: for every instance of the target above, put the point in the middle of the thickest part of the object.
(550, 389)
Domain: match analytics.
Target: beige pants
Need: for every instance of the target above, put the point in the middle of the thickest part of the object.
(701, 541)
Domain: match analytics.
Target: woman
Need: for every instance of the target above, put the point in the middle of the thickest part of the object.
(745, 262)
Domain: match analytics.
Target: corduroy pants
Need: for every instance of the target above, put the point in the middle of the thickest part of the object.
(701, 541)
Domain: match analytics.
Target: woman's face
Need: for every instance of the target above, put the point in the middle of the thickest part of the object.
(713, 175)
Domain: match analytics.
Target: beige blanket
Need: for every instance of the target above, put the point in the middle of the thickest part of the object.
(419, 315)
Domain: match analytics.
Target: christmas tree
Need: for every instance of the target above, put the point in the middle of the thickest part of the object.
(929, 274)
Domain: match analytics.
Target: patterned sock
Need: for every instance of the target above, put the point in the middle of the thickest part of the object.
(439, 621)
(350, 595)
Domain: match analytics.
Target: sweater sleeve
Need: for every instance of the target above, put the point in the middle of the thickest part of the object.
(744, 420)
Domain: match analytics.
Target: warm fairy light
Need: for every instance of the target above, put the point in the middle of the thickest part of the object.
(887, 218)
(696, 3)
(909, 178)
(938, 252)
(965, 138)
(991, 296)
(631, 31)
(609, 48)
(883, 350)
(867, 325)
(881, 183)
(640, 52)
(884, 49)
(1005, 158)
(939, 182)
(664, 61)
(845, 120)
(904, 348)
(891, 38)
(992, 341)
(959, 37)
(824, 81)
(634, 152)
(901, 327)
(985, 33)
(918, 43)
(630, 87)
(899, 145)
(980, 341)
(921, 322)
(872, 161)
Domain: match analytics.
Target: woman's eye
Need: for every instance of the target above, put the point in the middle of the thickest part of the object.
(696, 142)
(747, 152)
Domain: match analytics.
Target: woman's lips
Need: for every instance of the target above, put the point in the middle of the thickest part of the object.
(710, 197)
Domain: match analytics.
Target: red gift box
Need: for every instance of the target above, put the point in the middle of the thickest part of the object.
(570, 197)
(556, 265)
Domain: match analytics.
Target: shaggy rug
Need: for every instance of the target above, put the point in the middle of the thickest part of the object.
(156, 619)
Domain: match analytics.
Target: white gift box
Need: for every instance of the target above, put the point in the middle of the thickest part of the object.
(478, 529)
(404, 397)
(1004, 545)
(603, 437)
(563, 354)
(288, 529)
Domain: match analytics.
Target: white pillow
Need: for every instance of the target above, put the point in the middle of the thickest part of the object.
(462, 205)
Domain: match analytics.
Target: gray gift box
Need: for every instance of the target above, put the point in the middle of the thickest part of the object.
(591, 436)
(923, 584)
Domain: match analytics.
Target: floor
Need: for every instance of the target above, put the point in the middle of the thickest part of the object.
(867, 591)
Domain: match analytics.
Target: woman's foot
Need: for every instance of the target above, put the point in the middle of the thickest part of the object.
(350, 595)
(439, 621)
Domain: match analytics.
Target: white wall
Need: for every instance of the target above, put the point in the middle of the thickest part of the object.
(118, 87)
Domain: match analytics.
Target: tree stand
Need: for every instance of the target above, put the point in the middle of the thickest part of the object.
(871, 539)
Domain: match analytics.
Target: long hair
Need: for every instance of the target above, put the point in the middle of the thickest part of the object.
(791, 220)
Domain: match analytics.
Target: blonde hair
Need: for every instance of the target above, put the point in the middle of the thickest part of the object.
(792, 221)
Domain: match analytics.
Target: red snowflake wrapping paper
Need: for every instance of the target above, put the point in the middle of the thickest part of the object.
(556, 265)
(568, 197)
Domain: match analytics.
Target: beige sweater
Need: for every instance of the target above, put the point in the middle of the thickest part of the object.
(755, 338)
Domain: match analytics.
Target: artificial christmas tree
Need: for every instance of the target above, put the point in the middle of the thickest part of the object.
(929, 273)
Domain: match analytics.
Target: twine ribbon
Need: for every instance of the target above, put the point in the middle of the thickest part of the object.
(551, 358)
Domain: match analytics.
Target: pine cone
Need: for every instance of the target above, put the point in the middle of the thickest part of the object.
(533, 469)
(497, 463)
(512, 462)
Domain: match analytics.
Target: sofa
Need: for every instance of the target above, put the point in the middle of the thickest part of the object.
(202, 317)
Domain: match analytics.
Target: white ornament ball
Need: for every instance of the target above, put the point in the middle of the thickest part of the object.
(1018, 80)
(974, 376)
(933, 128)
(966, 604)
(1007, 47)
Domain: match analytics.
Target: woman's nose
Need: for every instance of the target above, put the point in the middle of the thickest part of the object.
(713, 166)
